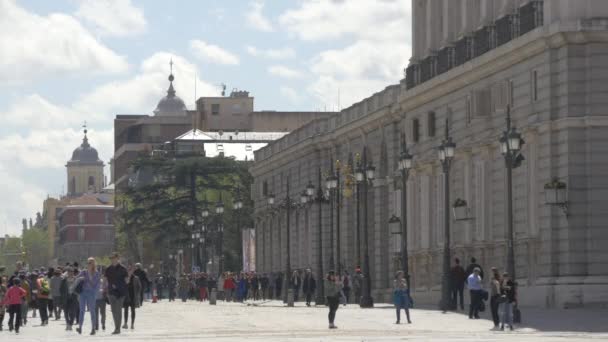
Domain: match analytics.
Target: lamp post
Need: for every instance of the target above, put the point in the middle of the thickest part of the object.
(446, 155)
(319, 199)
(365, 175)
(238, 205)
(511, 143)
(219, 210)
(204, 239)
(193, 237)
(405, 164)
(333, 184)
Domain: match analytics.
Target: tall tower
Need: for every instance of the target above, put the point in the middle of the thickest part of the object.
(85, 169)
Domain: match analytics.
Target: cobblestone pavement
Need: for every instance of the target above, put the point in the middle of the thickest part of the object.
(271, 321)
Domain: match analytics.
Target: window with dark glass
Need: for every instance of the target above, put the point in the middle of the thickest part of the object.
(416, 130)
(215, 109)
(431, 124)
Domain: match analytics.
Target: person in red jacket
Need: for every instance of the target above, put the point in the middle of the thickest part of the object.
(12, 299)
(229, 286)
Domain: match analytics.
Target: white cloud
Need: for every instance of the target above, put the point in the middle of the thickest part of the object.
(285, 72)
(138, 95)
(377, 49)
(282, 53)
(34, 46)
(256, 19)
(290, 94)
(213, 53)
(317, 20)
(21, 199)
(113, 17)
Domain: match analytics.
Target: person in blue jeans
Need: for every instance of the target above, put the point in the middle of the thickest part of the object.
(91, 279)
(401, 297)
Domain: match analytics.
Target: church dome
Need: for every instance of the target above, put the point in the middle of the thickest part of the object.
(85, 153)
(171, 105)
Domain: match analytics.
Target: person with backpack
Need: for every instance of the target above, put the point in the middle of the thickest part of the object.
(42, 297)
(132, 299)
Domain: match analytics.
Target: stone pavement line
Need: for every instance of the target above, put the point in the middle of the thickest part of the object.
(194, 321)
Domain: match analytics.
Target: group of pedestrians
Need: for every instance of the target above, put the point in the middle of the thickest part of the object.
(502, 293)
(72, 291)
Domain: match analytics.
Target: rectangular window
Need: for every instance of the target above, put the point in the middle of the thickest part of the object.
(534, 85)
(468, 109)
(81, 234)
(431, 124)
(108, 218)
(215, 109)
(511, 93)
(416, 130)
(81, 217)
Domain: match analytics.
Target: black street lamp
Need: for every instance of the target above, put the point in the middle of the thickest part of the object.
(319, 199)
(333, 184)
(286, 204)
(365, 174)
(511, 143)
(219, 210)
(238, 205)
(405, 164)
(446, 155)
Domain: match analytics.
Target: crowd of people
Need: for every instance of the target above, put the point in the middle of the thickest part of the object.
(73, 290)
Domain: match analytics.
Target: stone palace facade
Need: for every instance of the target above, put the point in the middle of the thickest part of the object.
(471, 59)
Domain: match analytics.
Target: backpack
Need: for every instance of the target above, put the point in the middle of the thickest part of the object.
(44, 287)
(346, 282)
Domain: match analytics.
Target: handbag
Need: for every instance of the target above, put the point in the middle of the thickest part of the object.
(79, 287)
(516, 315)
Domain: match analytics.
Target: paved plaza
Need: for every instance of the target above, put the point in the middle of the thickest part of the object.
(271, 321)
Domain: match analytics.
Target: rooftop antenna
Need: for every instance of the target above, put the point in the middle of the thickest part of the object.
(339, 108)
(223, 89)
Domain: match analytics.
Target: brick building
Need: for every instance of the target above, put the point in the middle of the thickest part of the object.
(86, 228)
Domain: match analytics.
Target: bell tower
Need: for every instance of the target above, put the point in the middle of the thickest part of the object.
(85, 169)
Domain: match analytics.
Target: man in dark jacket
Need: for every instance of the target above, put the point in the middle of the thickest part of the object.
(457, 279)
(309, 286)
(143, 280)
(473, 266)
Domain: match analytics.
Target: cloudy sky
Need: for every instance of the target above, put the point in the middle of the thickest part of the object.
(66, 61)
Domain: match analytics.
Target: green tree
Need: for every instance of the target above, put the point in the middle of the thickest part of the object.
(180, 188)
(36, 246)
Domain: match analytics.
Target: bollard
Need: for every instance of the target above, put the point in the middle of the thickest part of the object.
(290, 297)
(213, 297)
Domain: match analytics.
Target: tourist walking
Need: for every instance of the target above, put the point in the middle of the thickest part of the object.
(458, 278)
(346, 286)
(295, 284)
(229, 286)
(42, 297)
(69, 298)
(309, 286)
(143, 280)
(117, 276)
(56, 293)
(132, 299)
(3, 290)
(184, 287)
(508, 291)
(333, 292)
(475, 290)
(401, 297)
(100, 303)
(12, 299)
(25, 301)
(495, 296)
(91, 282)
(357, 281)
(171, 285)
